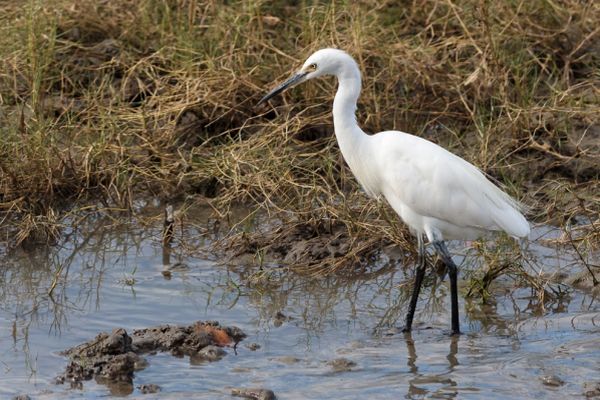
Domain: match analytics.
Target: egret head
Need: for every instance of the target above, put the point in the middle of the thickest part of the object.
(322, 62)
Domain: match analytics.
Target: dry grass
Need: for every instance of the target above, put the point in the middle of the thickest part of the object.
(103, 103)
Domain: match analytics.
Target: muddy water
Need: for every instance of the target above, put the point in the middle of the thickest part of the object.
(115, 277)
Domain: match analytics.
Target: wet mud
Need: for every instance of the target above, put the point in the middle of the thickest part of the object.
(308, 243)
(113, 358)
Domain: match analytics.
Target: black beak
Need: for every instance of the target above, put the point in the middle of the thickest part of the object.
(294, 80)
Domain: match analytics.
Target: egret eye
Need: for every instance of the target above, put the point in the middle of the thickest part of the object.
(312, 67)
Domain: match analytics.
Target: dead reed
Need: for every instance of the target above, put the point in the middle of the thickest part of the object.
(102, 103)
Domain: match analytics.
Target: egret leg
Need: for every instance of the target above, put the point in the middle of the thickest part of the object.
(421, 264)
(441, 249)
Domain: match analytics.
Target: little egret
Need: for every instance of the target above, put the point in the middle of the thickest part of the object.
(436, 193)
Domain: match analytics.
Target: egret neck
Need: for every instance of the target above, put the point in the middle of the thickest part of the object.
(353, 142)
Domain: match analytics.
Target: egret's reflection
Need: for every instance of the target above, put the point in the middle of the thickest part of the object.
(452, 360)
(417, 384)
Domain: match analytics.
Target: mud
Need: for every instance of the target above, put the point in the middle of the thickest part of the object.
(113, 358)
(307, 243)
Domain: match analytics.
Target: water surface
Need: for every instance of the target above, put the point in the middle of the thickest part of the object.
(116, 276)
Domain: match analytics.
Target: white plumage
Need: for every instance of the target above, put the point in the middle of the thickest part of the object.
(436, 193)
(439, 194)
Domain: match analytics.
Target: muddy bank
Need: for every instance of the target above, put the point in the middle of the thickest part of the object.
(112, 359)
(308, 244)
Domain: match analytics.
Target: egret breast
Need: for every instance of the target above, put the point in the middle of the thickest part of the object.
(365, 174)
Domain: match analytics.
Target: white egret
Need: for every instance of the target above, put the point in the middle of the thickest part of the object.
(436, 193)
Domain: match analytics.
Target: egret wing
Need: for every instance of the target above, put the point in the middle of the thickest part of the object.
(435, 183)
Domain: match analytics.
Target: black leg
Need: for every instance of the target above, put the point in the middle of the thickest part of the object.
(441, 249)
(421, 264)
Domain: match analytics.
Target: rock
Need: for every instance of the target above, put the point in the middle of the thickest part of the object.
(255, 394)
(116, 388)
(287, 360)
(591, 390)
(113, 358)
(140, 364)
(209, 353)
(253, 346)
(76, 372)
(117, 369)
(552, 380)
(118, 342)
(279, 318)
(149, 388)
(185, 340)
(341, 365)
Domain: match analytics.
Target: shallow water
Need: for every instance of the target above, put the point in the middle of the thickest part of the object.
(115, 277)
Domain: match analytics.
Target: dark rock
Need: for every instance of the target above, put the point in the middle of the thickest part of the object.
(149, 388)
(552, 380)
(112, 358)
(140, 364)
(591, 390)
(279, 318)
(118, 342)
(255, 394)
(341, 365)
(116, 388)
(253, 346)
(76, 372)
(118, 368)
(209, 353)
(287, 360)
